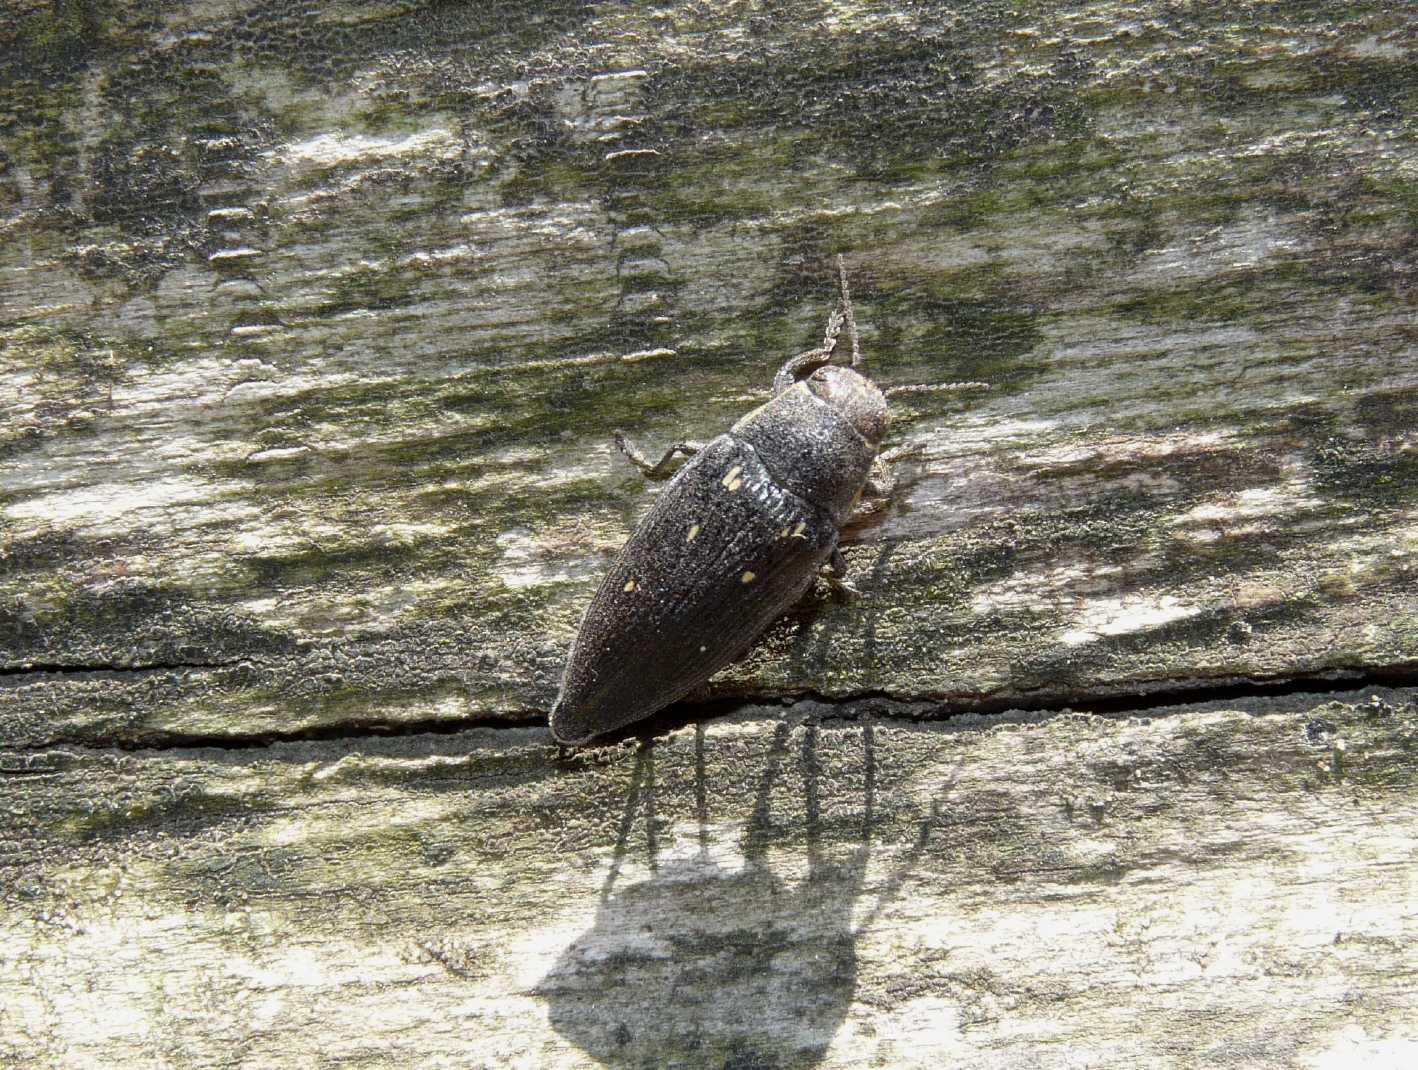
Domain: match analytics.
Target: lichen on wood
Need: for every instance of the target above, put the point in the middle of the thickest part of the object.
(315, 322)
(320, 323)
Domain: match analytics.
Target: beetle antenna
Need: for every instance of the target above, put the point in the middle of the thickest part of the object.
(829, 336)
(804, 364)
(934, 388)
(847, 313)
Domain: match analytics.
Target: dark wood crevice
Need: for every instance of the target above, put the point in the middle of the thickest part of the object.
(1159, 701)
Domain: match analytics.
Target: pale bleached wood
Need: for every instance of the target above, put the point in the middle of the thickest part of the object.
(1226, 884)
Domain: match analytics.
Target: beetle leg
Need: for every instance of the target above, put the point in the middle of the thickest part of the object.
(834, 572)
(914, 449)
(865, 509)
(661, 469)
(881, 483)
(700, 694)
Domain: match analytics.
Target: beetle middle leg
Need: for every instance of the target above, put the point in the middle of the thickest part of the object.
(661, 469)
(835, 573)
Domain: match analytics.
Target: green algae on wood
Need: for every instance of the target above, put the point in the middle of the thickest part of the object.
(312, 354)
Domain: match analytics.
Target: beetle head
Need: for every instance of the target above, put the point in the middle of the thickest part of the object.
(855, 397)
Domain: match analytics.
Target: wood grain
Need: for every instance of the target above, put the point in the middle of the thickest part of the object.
(315, 322)
(1226, 884)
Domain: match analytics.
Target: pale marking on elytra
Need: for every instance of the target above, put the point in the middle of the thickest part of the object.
(731, 480)
(784, 533)
(748, 577)
(693, 531)
(630, 585)
(798, 531)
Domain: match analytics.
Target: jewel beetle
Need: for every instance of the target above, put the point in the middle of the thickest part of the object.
(737, 537)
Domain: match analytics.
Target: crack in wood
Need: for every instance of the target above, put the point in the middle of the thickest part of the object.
(877, 705)
(38, 668)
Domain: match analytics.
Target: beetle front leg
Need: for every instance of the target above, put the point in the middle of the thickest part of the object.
(881, 484)
(865, 509)
(661, 469)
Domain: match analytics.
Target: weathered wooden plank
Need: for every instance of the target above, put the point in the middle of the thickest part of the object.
(1226, 884)
(316, 322)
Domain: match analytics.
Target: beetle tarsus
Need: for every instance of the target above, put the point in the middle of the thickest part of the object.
(661, 469)
(865, 509)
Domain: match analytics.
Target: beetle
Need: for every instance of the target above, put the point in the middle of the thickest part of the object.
(737, 537)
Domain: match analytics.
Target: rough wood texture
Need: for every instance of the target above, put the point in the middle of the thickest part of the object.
(314, 323)
(1220, 886)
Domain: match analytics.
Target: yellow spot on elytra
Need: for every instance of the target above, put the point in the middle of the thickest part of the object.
(693, 531)
(748, 577)
(731, 479)
(630, 585)
(784, 533)
(798, 531)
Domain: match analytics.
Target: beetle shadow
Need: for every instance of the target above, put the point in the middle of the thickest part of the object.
(729, 963)
(818, 621)
(870, 646)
